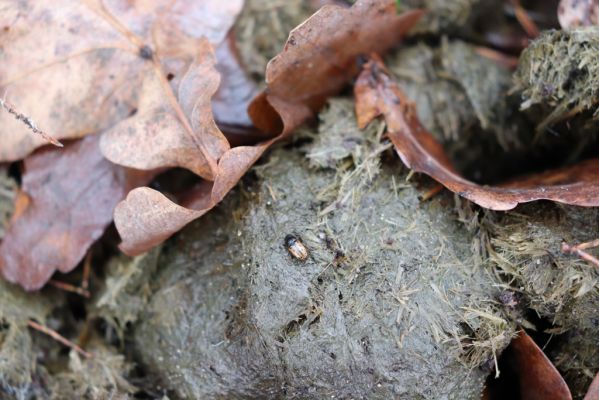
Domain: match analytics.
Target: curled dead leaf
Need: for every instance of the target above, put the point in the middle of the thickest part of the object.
(67, 200)
(321, 56)
(378, 94)
(147, 217)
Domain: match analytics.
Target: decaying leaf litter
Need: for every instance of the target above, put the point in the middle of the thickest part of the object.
(347, 174)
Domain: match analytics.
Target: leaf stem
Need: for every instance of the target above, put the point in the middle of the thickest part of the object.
(58, 337)
(28, 122)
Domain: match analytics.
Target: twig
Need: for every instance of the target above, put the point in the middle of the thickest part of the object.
(81, 291)
(579, 250)
(28, 122)
(497, 56)
(530, 27)
(58, 337)
(587, 245)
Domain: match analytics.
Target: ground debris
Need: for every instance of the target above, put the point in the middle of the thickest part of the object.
(101, 377)
(316, 61)
(29, 123)
(21, 376)
(563, 289)
(535, 376)
(573, 13)
(86, 75)
(66, 201)
(331, 269)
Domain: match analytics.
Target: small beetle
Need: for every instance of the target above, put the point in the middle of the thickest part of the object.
(296, 248)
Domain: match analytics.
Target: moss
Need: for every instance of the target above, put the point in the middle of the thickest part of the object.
(33, 365)
(443, 16)
(563, 289)
(263, 28)
(442, 106)
(390, 303)
(8, 188)
(101, 377)
(456, 91)
(343, 137)
(559, 72)
(462, 98)
(20, 374)
(126, 290)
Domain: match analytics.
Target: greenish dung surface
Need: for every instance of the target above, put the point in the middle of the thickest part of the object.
(392, 301)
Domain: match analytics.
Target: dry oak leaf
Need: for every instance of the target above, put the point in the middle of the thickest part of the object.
(573, 13)
(378, 94)
(75, 67)
(539, 379)
(321, 56)
(159, 136)
(147, 217)
(178, 133)
(66, 202)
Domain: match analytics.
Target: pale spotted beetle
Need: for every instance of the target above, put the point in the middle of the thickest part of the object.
(296, 248)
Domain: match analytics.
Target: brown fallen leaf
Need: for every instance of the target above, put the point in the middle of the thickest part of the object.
(67, 200)
(177, 133)
(147, 217)
(378, 94)
(573, 13)
(77, 67)
(539, 379)
(593, 393)
(81, 67)
(321, 56)
(156, 137)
